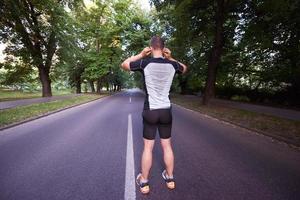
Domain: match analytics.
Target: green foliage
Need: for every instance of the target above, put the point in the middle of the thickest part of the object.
(33, 32)
(261, 54)
(18, 75)
(104, 31)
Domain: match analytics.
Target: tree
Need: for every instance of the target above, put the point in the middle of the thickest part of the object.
(199, 35)
(271, 39)
(17, 74)
(220, 11)
(33, 31)
(107, 32)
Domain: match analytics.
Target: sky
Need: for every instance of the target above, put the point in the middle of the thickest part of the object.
(2, 47)
(143, 3)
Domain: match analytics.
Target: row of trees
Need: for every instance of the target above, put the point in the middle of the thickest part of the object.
(235, 47)
(247, 48)
(65, 40)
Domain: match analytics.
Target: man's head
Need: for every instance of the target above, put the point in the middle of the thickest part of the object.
(157, 43)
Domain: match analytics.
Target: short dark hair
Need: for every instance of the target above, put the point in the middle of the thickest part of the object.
(157, 42)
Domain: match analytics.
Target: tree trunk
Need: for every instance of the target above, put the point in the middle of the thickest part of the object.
(78, 86)
(99, 86)
(183, 85)
(46, 82)
(98, 45)
(92, 86)
(215, 55)
(107, 87)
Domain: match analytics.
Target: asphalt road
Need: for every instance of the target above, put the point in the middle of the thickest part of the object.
(87, 153)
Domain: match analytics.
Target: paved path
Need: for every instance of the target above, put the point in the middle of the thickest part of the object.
(90, 151)
(23, 102)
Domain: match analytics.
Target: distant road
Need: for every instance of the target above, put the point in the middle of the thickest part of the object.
(88, 153)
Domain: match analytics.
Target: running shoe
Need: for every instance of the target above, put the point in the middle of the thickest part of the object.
(144, 187)
(170, 182)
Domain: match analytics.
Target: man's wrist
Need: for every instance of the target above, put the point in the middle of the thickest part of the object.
(136, 57)
(140, 56)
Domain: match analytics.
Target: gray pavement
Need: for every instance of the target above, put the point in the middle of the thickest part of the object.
(24, 102)
(80, 153)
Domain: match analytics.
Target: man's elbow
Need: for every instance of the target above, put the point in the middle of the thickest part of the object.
(125, 65)
(184, 69)
(122, 65)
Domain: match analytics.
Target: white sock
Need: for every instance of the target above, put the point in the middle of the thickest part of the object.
(144, 181)
(169, 177)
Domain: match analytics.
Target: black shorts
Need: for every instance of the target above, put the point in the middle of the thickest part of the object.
(160, 119)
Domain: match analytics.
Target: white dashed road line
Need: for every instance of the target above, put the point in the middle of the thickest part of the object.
(129, 177)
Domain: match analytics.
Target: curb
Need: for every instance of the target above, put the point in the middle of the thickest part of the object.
(48, 113)
(278, 138)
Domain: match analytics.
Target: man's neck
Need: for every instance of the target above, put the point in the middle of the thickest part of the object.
(157, 53)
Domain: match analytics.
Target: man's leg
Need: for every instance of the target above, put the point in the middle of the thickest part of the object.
(168, 155)
(147, 158)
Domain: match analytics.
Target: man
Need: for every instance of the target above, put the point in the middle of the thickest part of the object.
(158, 73)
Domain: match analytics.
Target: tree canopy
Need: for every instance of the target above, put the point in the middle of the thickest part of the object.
(234, 49)
(245, 48)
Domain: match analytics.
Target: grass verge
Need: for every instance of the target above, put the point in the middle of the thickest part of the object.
(12, 115)
(10, 95)
(284, 129)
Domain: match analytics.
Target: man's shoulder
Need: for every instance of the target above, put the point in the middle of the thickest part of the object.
(161, 60)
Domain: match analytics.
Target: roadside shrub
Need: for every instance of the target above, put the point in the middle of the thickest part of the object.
(240, 98)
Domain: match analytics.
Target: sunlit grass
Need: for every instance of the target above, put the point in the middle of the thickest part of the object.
(12, 115)
(10, 95)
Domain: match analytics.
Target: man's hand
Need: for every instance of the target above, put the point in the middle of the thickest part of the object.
(126, 64)
(167, 53)
(146, 51)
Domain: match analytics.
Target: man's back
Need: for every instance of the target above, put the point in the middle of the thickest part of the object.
(158, 74)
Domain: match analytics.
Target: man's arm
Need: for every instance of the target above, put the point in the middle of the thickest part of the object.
(126, 64)
(167, 54)
(183, 65)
